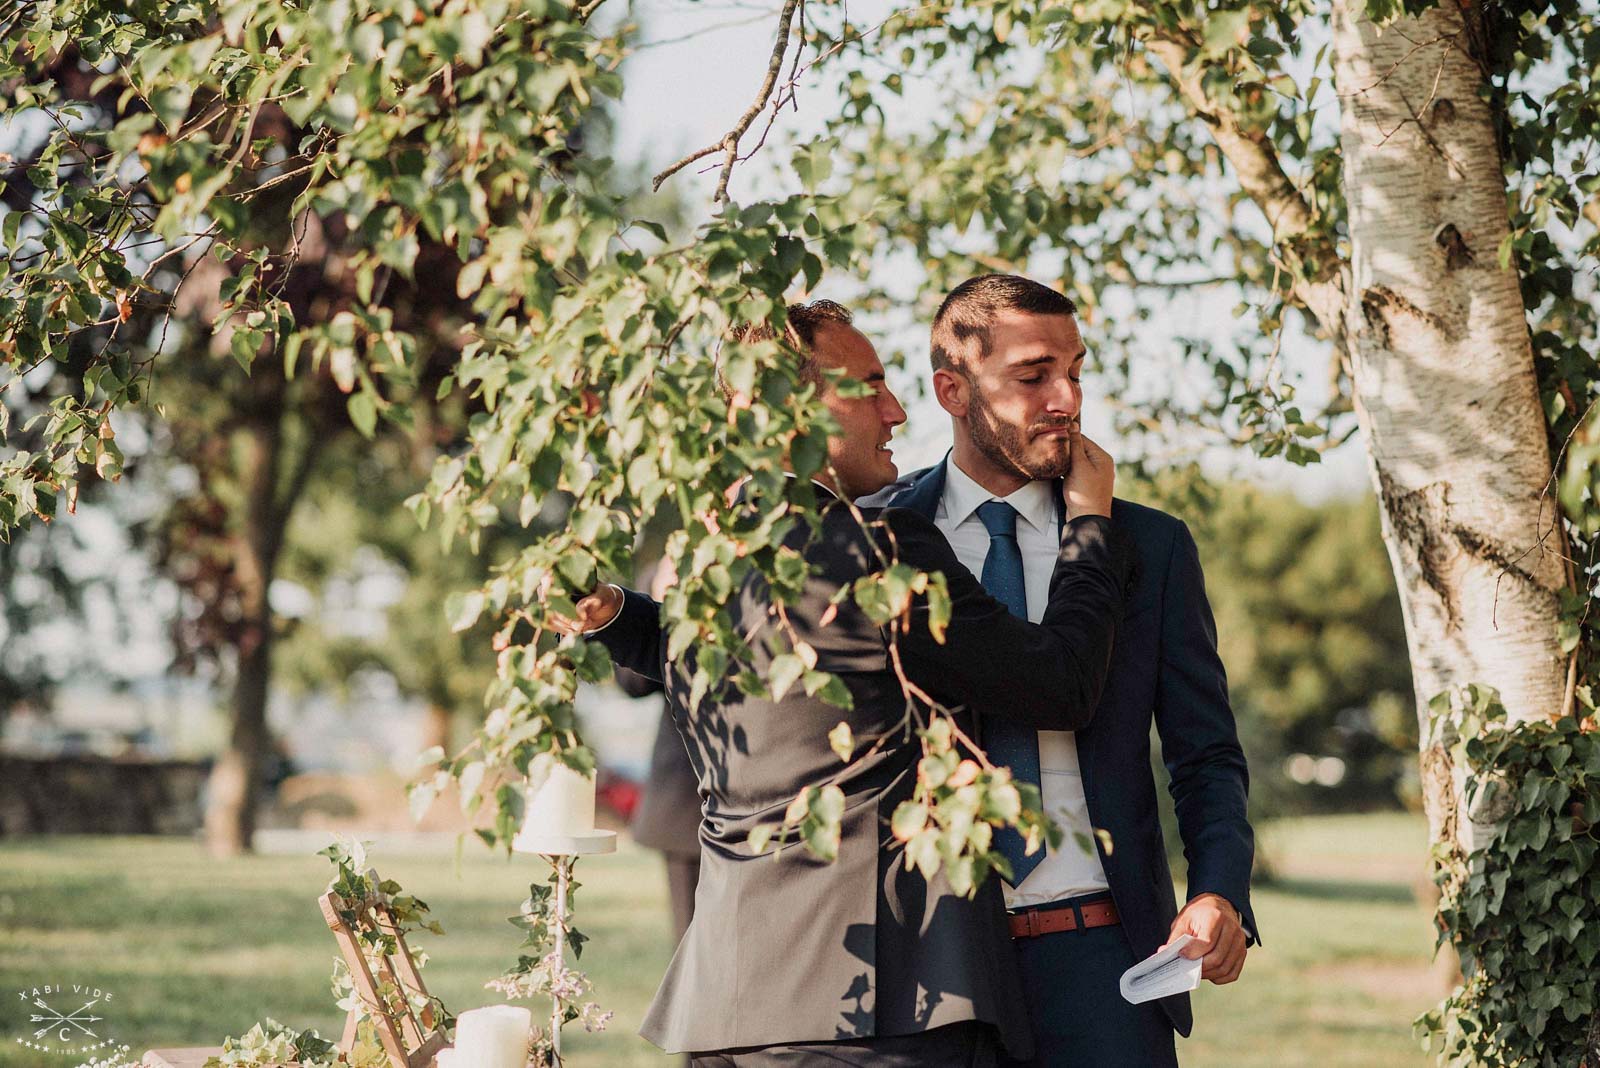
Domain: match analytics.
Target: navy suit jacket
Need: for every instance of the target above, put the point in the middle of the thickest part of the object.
(1164, 668)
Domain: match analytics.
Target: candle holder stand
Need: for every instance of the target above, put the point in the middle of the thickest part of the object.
(560, 850)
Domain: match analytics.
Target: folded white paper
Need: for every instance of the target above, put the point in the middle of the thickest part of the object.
(1161, 974)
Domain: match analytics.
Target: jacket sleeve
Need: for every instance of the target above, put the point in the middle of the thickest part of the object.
(1199, 739)
(633, 637)
(1046, 675)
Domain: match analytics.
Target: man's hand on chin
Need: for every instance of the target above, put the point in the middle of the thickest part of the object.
(1219, 938)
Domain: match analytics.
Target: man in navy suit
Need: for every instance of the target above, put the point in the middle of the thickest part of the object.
(1007, 358)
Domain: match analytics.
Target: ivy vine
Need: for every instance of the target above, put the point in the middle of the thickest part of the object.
(1520, 907)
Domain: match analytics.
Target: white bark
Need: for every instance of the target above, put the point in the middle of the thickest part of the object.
(1442, 365)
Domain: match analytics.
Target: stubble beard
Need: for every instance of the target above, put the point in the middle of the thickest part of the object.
(1006, 445)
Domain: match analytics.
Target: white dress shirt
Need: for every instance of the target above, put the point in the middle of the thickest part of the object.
(1071, 870)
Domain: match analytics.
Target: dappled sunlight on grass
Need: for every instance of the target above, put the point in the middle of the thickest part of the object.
(195, 949)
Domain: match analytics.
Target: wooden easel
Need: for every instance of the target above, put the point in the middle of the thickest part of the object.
(409, 1038)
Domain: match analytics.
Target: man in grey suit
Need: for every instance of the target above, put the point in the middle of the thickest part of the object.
(860, 961)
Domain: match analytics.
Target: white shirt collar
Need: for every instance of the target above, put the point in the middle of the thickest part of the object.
(1034, 501)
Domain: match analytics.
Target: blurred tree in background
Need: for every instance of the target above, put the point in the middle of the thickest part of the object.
(254, 437)
(49, 576)
(1309, 626)
(356, 534)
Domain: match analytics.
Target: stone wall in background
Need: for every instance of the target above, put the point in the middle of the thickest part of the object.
(99, 795)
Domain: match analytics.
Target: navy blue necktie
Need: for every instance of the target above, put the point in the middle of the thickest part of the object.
(1006, 741)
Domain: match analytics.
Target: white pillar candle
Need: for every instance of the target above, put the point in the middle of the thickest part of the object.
(493, 1037)
(563, 803)
(448, 1058)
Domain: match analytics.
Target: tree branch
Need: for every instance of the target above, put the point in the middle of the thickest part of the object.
(729, 144)
(1253, 159)
(1262, 177)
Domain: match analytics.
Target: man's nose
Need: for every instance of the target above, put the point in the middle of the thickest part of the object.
(1065, 396)
(889, 409)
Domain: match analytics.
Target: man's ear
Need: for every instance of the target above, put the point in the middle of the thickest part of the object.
(953, 391)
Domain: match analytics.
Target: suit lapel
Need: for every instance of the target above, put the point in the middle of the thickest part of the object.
(922, 492)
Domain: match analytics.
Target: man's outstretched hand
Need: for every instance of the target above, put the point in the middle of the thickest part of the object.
(1219, 939)
(594, 611)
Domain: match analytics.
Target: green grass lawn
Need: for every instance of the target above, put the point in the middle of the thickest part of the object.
(1345, 966)
(193, 949)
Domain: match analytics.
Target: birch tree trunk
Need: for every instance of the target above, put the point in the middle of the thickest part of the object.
(1442, 365)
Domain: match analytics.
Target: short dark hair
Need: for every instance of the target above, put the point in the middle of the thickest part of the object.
(961, 326)
(800, 331)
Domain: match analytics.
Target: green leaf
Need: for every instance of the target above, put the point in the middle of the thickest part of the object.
(1225, 30)
(1002, 804)
(683, 634)
(469, 781)
(842, 741)
(938, 608)
(909, 818)
(244, 346)
(784, 672)
(578, 569)
(830, 688)
(463, 609)
(420, 797)
(827, 804)
(922, 852)
(961, 875)
(363, 412)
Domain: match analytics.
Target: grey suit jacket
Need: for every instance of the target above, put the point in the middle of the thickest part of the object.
(790, 948)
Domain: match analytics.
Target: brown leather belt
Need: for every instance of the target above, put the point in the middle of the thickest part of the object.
(1032, 923)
